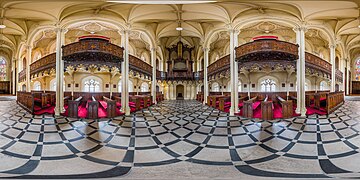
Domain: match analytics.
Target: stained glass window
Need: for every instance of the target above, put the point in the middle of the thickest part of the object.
(357, 70)
(144, 87)
(2, 68)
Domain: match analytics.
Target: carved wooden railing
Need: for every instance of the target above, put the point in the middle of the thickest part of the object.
(93, 45)
(22, 75)
(318, 63)
(219, 65)
(339, 75)
(45, 63)
(160, 75)
(266, 49)
(139, 65)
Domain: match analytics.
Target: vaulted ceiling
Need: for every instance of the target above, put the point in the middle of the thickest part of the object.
(157, 22)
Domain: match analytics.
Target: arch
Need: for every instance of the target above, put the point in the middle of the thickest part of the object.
(180, 92)
(130, 86)
(144, 87)
(91, 84)
(37, 86)
(268, 84)
(215, 87)
(324, 86)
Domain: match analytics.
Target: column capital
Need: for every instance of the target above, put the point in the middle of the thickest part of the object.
(206, 49)
(60, 30)
(124, 31)
(300, 28)
(28, 47)
(332, 46)
(153, 49)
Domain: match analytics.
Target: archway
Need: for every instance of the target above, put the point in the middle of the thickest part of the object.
(180, 92)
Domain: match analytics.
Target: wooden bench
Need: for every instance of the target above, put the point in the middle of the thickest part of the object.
(73, 108)
(249, 107)
(136, 101)
(109, 106)
(319, 98)
(92, 108)
(267, 109)
(333, 101)
(287, 107)
(26, 101)
(40, 99)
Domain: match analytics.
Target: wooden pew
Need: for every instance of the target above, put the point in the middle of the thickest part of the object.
(137, 102)
(73, 108)
(309, 97)
(26, 101)
(287, 107)
(333, 101)
(92, 108)
(110, 107)
(267, 109)
(40, 99)
(319, 98)
(222, 102)
(248, 108)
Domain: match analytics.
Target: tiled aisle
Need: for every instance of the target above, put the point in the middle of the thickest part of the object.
(179, 139)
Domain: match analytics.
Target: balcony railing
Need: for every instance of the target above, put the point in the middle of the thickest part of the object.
(339, 75)
(160, 75)
(315, 62)
(45, 63)
(219, 65)
(22, 75)
(266, 49)
(139, 65)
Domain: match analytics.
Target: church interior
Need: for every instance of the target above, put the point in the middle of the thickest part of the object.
(199, 89)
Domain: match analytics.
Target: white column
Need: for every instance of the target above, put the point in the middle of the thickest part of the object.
(333, 68)
(233, 72)
(236, 74)
(347, 77)
(28, 62)
(125, 74)
(206, 60)
(59, 108)
(153, 82)
(14, 82)
(300, 71)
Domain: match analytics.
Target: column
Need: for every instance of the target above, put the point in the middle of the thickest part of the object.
(206, 61)
(348, 80)
(60, 39)
(125, 74)
(14, 82)
(300, 71)
(153, 82)
(28, 62)
(234, 72)
(333, 68)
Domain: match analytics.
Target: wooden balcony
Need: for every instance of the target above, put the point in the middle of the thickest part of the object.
(339, 75)
(22, 75)
(317, 63)
(45, 63)
(160, 75)
(93, 51)
(218, 66)
(266, 50)
(140, 66)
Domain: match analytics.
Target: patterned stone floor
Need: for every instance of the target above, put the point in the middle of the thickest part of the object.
(177, 140)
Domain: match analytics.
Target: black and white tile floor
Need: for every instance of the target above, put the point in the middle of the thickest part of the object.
(179, 139)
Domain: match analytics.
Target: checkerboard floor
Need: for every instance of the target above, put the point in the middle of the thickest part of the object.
(179, 139)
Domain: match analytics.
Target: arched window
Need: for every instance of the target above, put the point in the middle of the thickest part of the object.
(357, 70)
(91, 85)
(3, 68)
(144, 87)
(37, 86)
(215, 87)
(323, 86)
(239, 86)
(53, 85)
(130, 84)
(268, 85)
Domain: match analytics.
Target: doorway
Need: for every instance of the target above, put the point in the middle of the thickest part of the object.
(180, 92)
